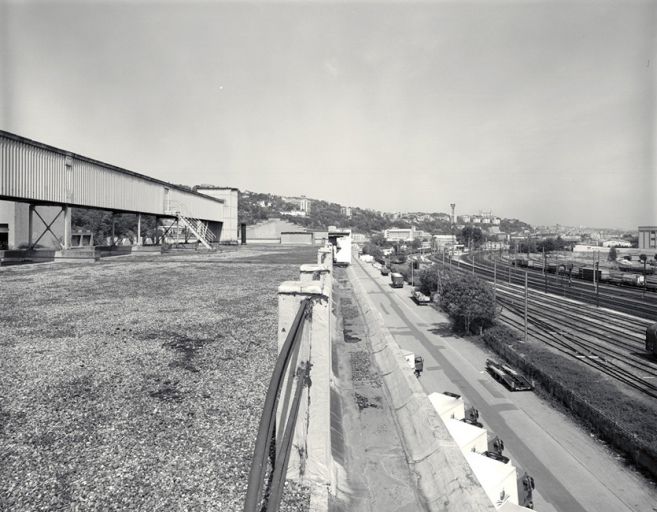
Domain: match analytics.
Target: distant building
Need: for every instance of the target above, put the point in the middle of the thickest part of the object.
(230, 196)
(647, 237)
(302, 203)
(399, 234)
(616, 243)
(346, 211)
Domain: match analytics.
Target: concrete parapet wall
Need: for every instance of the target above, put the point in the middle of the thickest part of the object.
(443, 475)
(311, 456)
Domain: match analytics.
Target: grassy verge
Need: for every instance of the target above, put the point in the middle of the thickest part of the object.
(131, 385)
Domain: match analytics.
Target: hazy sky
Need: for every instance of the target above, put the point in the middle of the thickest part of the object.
(543, 111)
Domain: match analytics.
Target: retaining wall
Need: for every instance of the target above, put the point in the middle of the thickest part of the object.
(443, 475)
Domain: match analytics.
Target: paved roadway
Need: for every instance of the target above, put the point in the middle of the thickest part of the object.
(573, 471)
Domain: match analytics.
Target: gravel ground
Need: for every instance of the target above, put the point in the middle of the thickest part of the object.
(137, 385)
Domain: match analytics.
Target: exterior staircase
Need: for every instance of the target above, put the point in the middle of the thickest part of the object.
(198, 228)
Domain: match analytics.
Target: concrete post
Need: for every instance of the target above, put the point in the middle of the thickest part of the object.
(325, 257)
(139, 242)
(68, 213)
(113, 228)
(310, 457)
(30, 226)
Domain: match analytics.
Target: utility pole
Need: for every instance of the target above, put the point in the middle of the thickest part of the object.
(597, 284)
(544, 272)
(494, 280)
(526, 305)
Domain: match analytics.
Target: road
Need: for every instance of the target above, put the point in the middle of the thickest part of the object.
(574, 472)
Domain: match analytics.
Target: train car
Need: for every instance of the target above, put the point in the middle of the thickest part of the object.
(587, 274)
(633, 279)
(651, 339)
(507, 376)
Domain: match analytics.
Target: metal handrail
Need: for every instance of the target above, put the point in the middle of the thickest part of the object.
(265, 437)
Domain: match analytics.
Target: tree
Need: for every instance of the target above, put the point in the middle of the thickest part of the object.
(468, 234)
(612, 254)
(467, 299)
(469, 302)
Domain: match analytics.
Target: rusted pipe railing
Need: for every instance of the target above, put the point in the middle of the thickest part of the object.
(256, 492)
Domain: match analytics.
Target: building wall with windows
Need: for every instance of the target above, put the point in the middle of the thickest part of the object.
(647, 237)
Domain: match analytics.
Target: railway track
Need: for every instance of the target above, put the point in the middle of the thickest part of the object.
(619, 354)
(607, 340)
(629, 301)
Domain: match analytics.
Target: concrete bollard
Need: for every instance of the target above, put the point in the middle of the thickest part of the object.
(313, 273)
(325, 257)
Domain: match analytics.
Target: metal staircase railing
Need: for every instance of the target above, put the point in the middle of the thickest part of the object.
(199, 228)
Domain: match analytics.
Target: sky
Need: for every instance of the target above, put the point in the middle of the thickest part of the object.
(542, 111)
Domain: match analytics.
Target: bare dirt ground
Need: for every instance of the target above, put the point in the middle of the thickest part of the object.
(137, 383)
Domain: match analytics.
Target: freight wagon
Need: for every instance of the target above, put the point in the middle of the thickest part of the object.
(508, 376)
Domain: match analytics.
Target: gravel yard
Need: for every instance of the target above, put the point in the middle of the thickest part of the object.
(136, 384)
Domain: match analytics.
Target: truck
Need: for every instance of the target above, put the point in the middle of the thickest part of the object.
(508, 376)
(340, 240)
(397, 280)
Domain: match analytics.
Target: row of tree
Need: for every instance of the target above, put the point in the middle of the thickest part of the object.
(99, 222)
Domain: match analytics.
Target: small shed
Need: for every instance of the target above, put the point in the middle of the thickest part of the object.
(448, 406)
(497, 478)
(468, 437)
(296, 238)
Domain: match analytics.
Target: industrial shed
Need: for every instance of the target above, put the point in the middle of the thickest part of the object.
(296, 238)
(45, 178)
(270, 231)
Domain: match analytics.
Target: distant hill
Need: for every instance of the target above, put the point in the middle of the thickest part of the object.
(255, 207)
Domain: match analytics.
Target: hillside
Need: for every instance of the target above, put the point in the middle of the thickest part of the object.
(255, 207)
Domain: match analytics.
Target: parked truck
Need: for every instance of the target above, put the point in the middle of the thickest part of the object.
(397, 280)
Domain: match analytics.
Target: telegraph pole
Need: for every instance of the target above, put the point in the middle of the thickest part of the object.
(526, 305)
(494, 280)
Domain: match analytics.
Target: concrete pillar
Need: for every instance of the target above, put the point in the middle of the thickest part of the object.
(309, 273)
(310, 457)
(30, 226)
(325, 257)
(139, 242)
(68, 213)
(113, 227)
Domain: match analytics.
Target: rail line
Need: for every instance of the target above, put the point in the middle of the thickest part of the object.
(608, 296)
(608, 341)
